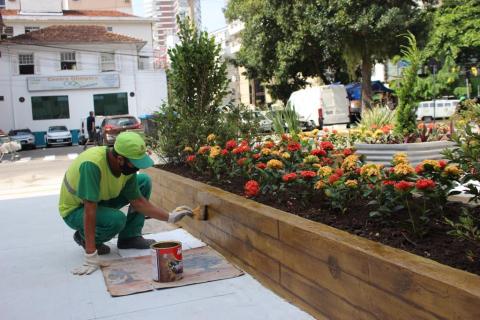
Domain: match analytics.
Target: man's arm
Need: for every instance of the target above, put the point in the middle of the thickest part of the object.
(145, 207)
(89, 222)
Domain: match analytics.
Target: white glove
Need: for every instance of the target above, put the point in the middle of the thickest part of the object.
(92, 262)
(178, 213)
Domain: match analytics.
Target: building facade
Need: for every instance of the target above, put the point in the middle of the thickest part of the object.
(119, 5)
(56, 67)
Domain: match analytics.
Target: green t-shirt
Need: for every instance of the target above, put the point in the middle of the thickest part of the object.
(90, 178)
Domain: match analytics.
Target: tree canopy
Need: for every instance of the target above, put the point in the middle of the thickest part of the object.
(284, 42)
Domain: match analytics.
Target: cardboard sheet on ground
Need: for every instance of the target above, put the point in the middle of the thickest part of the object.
(134, 275)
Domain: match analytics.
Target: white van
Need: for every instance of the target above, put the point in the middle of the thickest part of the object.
(323, 105)
(429, 110)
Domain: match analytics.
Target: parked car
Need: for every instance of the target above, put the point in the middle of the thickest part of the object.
(24, 136)
(264, 123)
(58, 135)
(111, 126)
(429, 110)
(322, 105)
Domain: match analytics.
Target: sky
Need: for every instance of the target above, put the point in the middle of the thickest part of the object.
(212, 15)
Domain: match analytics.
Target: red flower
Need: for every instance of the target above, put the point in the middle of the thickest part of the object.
(261, 165)
(224, 152)
(293, 146)
(419, 168)
(231, 144)
(285, 137)
(326, 145)
(442, 164)
(404, 185)
(307, 174)
(358, 170)
(252, 188)
(241, 149)
(256, 156)
(325, 129)
(244, 143)
(423, 184)
(191, 158)
(326, 161)
(318, 152)
(386, 129)
(204, 149)
(388, 182)
(339, 172)
(334, 131)
(347, 152)
(241, 161)
(269, 144)
(289, 177)
(333, 178)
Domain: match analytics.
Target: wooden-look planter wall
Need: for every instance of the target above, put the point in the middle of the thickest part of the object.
(327, 272)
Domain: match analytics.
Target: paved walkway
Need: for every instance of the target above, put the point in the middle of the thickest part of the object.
(37, 253)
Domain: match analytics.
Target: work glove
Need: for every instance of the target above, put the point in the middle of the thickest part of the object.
(92, 262)
(178, 213)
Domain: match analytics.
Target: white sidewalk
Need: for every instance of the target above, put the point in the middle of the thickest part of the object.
(37, 253)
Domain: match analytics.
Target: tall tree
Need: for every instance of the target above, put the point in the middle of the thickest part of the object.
(288, 41)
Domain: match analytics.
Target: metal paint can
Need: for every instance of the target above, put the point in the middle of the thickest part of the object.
(167, 261)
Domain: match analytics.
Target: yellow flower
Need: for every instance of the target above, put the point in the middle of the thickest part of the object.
(311, 159)
(188, 149)
(400, 157)
(319, 185)
(350, 162)
(453, 169)
(276, 153)
(403, 169)
(266, 151)
(378, 133)
(433, 163)
(368, 133)
(286, 155)
(211, 137)
(351, 183)
(214, 151)
(315, 132)
(275, 164)
(316, 165)
(370, 170)
(324, 171)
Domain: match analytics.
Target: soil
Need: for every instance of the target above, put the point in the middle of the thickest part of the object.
(394, 231)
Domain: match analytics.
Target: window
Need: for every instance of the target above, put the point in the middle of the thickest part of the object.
(109, 29)
(2, 3)
(50, 107)
(30, 29)
(67, 61)
(7, 32)
(110, 104)
(143, 63)
(26, 64)
(107, 61)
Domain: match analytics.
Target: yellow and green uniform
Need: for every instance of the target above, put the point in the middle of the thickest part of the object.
(89, 178)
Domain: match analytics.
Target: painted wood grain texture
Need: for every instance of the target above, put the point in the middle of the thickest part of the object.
(327, 272)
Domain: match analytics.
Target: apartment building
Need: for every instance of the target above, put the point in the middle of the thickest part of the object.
(118, 5)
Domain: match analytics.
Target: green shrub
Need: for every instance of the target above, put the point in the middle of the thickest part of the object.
(376, 118)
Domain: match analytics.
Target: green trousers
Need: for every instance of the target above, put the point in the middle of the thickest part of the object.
(110, 221)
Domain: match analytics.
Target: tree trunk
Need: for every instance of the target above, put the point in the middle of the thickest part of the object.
(366, 81)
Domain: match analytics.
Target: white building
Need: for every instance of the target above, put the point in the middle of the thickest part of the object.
(67, 64)
(164, 14)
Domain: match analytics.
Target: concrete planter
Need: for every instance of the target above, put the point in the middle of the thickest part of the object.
(417, 152)
(327, 272)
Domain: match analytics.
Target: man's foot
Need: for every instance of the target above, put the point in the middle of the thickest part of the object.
(101, 248)
(135, 243)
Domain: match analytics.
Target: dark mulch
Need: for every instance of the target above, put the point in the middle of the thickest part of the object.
(394, 231)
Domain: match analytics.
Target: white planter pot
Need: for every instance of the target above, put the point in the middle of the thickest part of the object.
(416, 152)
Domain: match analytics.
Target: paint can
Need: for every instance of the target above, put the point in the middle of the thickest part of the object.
(167, 261)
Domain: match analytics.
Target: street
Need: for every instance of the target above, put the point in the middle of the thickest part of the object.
(35, 172)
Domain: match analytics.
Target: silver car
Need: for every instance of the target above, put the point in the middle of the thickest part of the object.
(58, 135)
(24, 136)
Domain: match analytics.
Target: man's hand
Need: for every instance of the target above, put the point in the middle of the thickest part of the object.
(92, 262)
(178, 213)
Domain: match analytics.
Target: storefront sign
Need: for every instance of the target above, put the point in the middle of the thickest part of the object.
(110, 80)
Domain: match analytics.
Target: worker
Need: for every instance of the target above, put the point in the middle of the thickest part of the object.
(98, 183)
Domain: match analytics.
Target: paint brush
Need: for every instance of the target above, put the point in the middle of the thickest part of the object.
(200, 213)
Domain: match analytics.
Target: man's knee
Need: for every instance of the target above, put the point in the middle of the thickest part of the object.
(117, 223)
(145, 184)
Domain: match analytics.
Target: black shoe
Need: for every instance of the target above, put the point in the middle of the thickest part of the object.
(101, 248)
(135, 243)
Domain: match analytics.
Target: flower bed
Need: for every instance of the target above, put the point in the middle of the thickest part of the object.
(328, 272)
